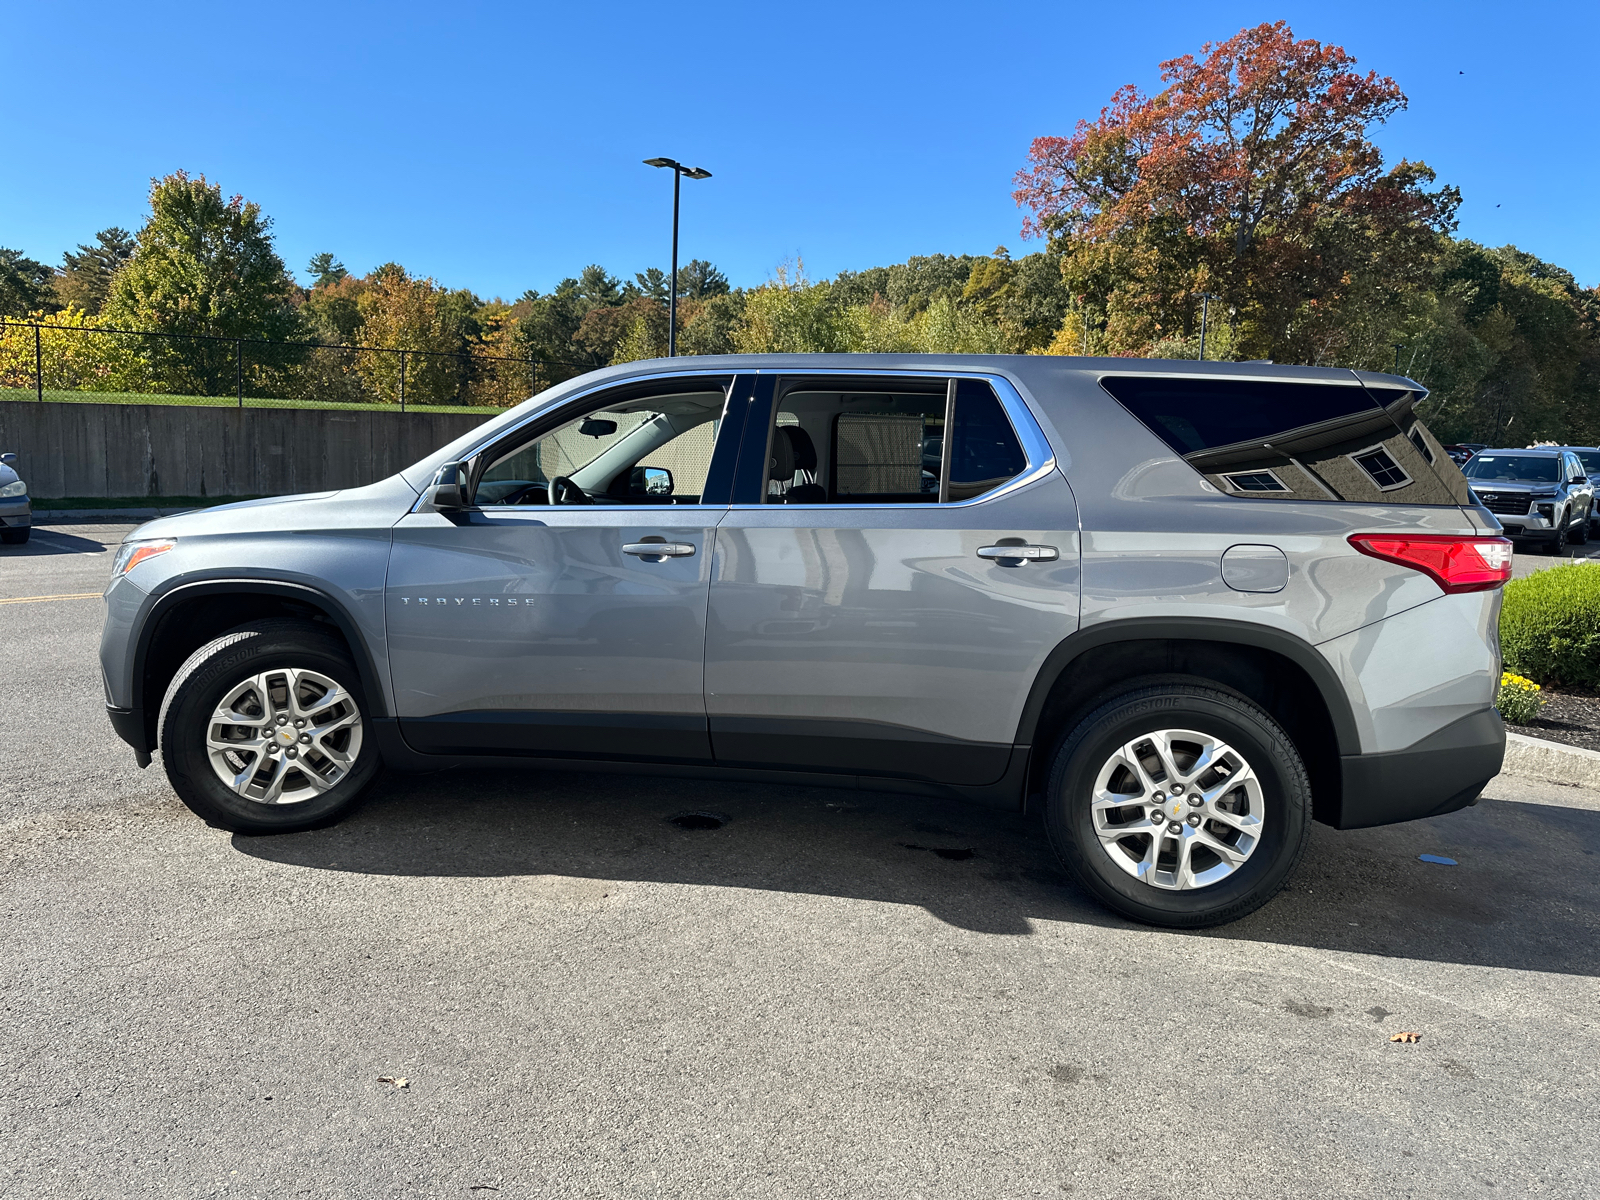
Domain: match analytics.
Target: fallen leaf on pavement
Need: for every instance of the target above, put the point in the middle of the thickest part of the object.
(399, 1081)
(1406, 1036)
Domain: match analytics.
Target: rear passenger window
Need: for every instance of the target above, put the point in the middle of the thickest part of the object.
(1265, 439)
(889, 440)
(985, 452)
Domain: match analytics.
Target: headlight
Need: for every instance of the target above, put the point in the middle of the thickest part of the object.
(131, 554)
(19, 488)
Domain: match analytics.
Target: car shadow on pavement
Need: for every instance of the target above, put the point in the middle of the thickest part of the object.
(1524, 893)
(50, 541)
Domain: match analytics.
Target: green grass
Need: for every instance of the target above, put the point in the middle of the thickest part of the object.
(71, 502)
(66, 397)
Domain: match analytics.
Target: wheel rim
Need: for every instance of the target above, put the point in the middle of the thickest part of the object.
(284, 737)
(1177, 809)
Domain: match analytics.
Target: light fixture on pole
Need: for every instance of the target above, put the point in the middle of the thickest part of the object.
(678, 172)
(1205, 311)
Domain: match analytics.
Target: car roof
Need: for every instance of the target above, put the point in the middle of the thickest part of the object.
(1536, 451)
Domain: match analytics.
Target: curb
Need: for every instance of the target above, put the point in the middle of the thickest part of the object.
(1538, 759)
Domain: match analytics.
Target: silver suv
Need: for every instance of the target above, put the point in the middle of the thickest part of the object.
(1181, 609)
(1541, 494)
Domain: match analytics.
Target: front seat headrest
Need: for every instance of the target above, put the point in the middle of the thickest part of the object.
(805, 454)
(781, 464)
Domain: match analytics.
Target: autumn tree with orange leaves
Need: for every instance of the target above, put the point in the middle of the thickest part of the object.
(1251, 176)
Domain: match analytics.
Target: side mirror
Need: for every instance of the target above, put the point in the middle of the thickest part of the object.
(8, 459)
(597, 427)
(448, 491)
(650, 481)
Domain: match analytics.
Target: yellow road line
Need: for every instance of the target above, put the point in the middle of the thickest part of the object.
(63, 596)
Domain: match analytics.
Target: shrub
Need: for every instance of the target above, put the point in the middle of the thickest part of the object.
(1550, 626)
(1519, 700)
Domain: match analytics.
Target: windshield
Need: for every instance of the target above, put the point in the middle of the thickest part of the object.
(1513, 468)
(1590, 460)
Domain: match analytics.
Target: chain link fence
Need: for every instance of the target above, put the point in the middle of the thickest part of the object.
(94, 364)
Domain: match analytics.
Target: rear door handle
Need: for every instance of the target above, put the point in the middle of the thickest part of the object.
(1026, 553)
(659, 549)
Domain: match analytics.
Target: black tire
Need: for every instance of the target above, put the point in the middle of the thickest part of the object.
(15, 537)
(1558, 544)
(205, 680)
(1285, 793)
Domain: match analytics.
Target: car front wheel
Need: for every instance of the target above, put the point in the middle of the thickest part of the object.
(1557, 545)
(264, 730)
(1179, 805)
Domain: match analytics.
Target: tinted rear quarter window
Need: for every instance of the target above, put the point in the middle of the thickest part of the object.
(1275, 440)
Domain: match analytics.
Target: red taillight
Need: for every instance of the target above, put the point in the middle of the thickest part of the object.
(1457, 564)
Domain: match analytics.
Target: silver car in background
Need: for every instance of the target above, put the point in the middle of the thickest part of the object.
(1541, 494)
(16, 509)
(1180, 609)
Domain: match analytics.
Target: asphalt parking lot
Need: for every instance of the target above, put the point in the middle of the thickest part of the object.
(834, 994)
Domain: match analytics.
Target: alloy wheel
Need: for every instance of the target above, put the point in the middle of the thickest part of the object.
(284, 736)
(1178, 809)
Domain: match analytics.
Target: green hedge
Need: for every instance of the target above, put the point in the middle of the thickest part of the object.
(1550, 626)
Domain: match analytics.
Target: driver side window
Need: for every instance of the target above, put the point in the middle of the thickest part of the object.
(655, 450)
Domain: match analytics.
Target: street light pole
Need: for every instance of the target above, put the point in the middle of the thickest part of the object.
(678, 172)
(1205, 311)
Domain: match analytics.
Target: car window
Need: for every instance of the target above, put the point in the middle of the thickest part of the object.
(655, 450)
(884, 441)
(1283, 440)
(1512, 468)
(985, 452)
(1590, 460)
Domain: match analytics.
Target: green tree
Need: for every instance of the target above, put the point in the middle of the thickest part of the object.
(707, 326)
(435, 325)
(84, 279)
(652, 284)
(791, 315)
(604, 327)
(325, 270)
(24, 284)
(203, 266)
(699, 280)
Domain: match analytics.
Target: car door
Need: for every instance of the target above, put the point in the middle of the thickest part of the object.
(864, 616)
(522, 626)
(1582, 490)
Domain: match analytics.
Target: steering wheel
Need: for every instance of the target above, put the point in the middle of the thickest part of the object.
(564, 491)
(518, 496)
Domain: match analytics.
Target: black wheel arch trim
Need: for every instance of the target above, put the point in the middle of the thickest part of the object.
(137, 720)
(1195, 629)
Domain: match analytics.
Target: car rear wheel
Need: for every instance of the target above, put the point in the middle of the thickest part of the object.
(1179, 805)
(264, 730)
(15, 537)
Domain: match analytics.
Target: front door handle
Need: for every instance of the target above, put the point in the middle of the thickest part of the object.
(1025, 553)
(659, 549)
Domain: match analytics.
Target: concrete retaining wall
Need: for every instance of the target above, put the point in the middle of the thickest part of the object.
(170, 450)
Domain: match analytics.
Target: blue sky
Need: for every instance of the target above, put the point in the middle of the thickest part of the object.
(498, 146)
